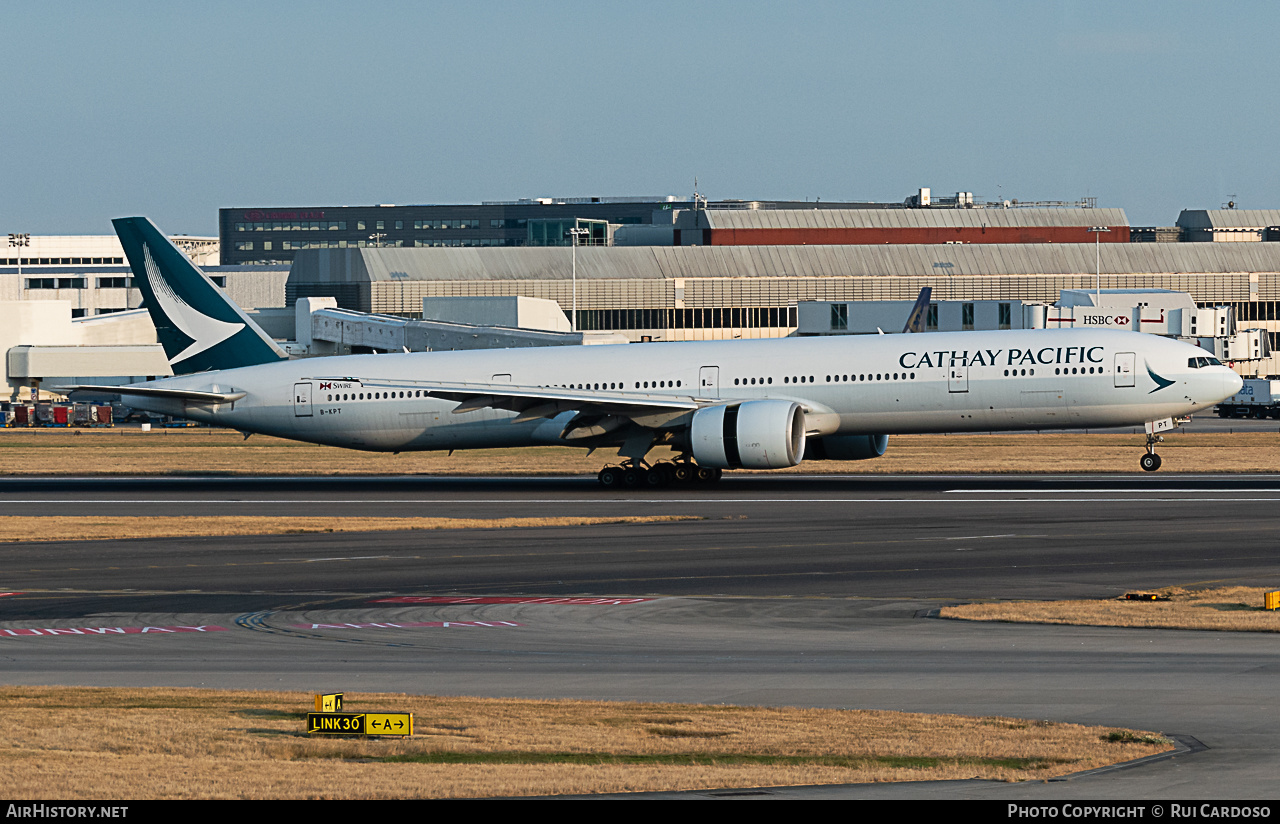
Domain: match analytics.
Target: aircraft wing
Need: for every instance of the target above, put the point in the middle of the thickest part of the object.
(598, 411)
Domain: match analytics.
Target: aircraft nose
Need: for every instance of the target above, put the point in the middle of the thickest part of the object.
(1231, 384)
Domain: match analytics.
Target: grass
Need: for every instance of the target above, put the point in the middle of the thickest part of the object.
(204, 451)
(1236, 608)
(23, 528)
(90, 743)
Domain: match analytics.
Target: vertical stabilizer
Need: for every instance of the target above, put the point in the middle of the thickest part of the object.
(916, 321)
(199, 327)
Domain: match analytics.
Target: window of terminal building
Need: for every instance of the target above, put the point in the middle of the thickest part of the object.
(931, 319)
(399, 224)
(78, 313)
(219, 280)
(244, 245)
(115, 283)
(702, 318)
(839, 317)
(359, 225)
(378, 226)
(1006, 315)
(966, 316)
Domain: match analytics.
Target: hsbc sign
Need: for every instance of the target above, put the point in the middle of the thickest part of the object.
(1104, 320)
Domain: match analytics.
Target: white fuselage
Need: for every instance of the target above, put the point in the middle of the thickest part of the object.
(881, 384)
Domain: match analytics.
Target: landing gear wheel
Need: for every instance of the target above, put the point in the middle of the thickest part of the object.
(655, 478)
(708, 475)
(661, 475)
(632, 476)
(683, 472)
(610, 477)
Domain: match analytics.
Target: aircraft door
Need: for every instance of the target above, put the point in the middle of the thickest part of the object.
(302, 400)
(1124, 368)
(709, 382)
(958, 377)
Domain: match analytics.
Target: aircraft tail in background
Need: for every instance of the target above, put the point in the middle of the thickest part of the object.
(920, 312)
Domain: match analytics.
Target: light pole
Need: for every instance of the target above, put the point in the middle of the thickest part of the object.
(1097, 262)
(574, 234)
(377, 237)
(19, 241)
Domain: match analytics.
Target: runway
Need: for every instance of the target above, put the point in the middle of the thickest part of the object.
(796, 590)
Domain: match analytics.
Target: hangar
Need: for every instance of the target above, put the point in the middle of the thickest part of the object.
(709, 292)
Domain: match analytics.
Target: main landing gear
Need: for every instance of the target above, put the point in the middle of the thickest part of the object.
(633, 474)
(1150, 462)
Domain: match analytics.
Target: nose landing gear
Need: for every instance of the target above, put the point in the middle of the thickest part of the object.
(1150, 462)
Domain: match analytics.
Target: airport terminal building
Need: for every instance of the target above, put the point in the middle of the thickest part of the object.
(275, 234)
(664, 269)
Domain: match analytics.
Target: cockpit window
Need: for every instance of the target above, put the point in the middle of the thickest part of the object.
(1197, 363)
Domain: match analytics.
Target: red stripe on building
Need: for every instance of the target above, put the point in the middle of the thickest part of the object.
(846, 236)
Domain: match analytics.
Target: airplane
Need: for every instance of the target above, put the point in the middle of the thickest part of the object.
(752, 404)
(919, 314)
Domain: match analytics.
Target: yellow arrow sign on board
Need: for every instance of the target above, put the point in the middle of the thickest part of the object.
(388, 723)
(360, 723)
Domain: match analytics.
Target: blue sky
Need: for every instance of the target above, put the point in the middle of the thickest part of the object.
(174, 110)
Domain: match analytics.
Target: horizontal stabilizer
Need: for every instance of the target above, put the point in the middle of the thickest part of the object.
(193, 395)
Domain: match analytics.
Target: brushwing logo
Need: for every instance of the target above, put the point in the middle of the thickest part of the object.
(1161, 383)
(204, 331)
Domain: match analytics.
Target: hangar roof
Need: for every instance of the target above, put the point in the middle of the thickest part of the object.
(666, 262)
(1228, 218)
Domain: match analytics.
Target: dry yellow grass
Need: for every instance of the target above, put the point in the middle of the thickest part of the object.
(78, 743)
(219, 452)
(1233, 608)
(99, 528)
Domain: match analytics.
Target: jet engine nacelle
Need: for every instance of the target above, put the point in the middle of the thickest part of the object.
(766, 434)
(847, 447)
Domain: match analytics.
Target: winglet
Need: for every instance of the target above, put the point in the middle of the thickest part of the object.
(919, 312)
(199, 327)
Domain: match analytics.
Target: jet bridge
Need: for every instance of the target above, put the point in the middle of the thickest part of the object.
(335, 331)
